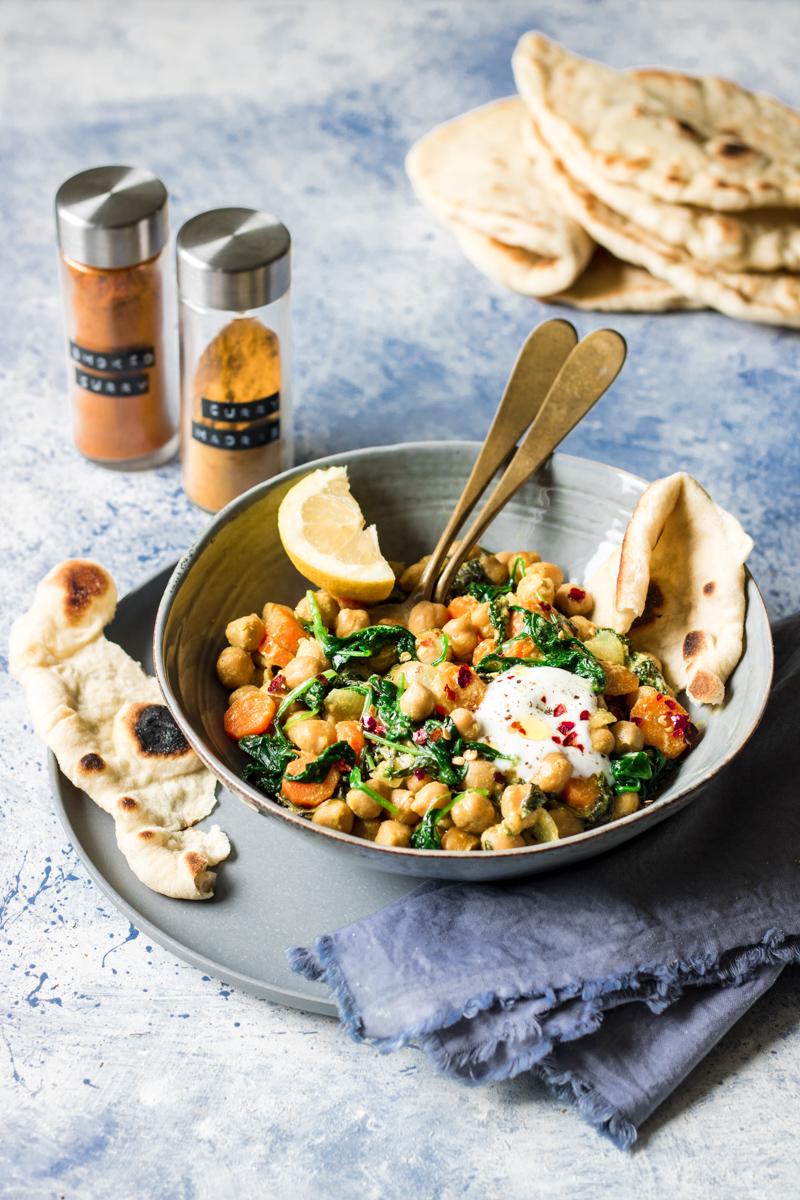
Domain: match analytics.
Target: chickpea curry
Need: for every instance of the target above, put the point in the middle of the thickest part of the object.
(500, 720)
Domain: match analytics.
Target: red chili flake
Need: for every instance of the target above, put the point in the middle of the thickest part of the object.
(635, 720)
(576, 593)
(519, 726)
(578, 746)
(419, 736)
(464, 677)
(555, 738)
(419, 772)
(584, 714)
(566, 726)
(372, 725)
(277, 684)
(545, 607)
(571, 738)
(449, 692)
(682, 727)
(671, 705)
(559, 710)
(659, 697)
(440, 712)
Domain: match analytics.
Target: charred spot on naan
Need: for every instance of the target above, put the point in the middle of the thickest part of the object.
(653, 606)
(91, 763)
(709, 588)
(693, 644)
(154, 732)
(81, 583)
(195, 862)
(706, 687)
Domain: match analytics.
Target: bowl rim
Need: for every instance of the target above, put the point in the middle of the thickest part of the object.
(264, 806)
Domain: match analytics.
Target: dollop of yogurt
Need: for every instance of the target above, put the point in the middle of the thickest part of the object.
(528, 712)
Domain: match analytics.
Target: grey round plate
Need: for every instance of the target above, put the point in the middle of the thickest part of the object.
(274, 891)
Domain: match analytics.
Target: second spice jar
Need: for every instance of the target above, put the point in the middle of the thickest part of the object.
(234, 275)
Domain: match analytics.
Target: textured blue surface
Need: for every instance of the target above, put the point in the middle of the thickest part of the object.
(123, 1072)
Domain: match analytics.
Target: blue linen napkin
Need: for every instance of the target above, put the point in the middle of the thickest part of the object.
(612, 979)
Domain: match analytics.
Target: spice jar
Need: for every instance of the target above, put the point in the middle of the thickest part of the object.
(112, 228)
(233, 283)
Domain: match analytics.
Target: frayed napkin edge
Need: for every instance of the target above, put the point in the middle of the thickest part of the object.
(667, 983)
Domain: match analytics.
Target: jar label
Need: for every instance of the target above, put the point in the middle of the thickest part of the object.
(119, 385)
(215, 410)
(114, 362)
(237, 439)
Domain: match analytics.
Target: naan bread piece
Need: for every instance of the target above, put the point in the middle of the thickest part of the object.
(687, 140)
(677, 585)
(771, 298)
(174, 863)
(103, 717)
(753, 240)
(474, 170)
(606, 284)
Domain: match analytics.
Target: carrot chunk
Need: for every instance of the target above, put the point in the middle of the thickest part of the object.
(250, 714)
(307, 795)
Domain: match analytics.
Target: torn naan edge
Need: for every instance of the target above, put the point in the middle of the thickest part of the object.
(113, 737)
(676, 586)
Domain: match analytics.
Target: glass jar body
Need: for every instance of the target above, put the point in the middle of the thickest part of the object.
(235, 399)
(118, 363)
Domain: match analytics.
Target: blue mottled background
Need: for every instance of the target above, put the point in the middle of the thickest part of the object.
(122, 1072)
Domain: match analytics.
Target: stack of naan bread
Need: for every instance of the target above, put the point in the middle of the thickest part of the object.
(624, 190)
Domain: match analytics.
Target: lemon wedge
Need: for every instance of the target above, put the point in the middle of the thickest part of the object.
(322, 530)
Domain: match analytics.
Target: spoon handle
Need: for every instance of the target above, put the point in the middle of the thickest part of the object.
(542, 356)
(589, 371)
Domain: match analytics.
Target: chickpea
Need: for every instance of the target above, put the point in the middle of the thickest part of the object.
(458, 839)
(627, 736)
(427, 615)
(547, 570)
(619, 680)
(529, 557)
(299, 670)
(412, 575)
(480, 619)
(474, 812)
(624, 804)
(310, 648)
(363, 805)
(465, 723)
(393, 833)
(404, 801)
(574, 601)
(242, 691)
(328, 608)
(235, 668)
(351, 619)
(417, 702)
(536, 590)
(584, 629)
(415, 783)
(344, 704)
(497, 837)
(602, 740)
(494, 568)
(365, 829)
(512, 804)
(480, 773)
(333, 814)
(553, 773)
(246, 632)
(434, 795)
(311, 735)
(463, 638)
(430, 646)
(567, 822)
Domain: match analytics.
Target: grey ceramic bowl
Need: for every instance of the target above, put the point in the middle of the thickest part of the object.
(571, 512)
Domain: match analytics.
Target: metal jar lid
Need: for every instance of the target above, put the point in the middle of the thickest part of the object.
(112, 216)
(233, 259)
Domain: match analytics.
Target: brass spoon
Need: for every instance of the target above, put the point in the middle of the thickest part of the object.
(588, 372)
(542, 356)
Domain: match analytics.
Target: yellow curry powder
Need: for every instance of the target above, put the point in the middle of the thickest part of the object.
(231, 421)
